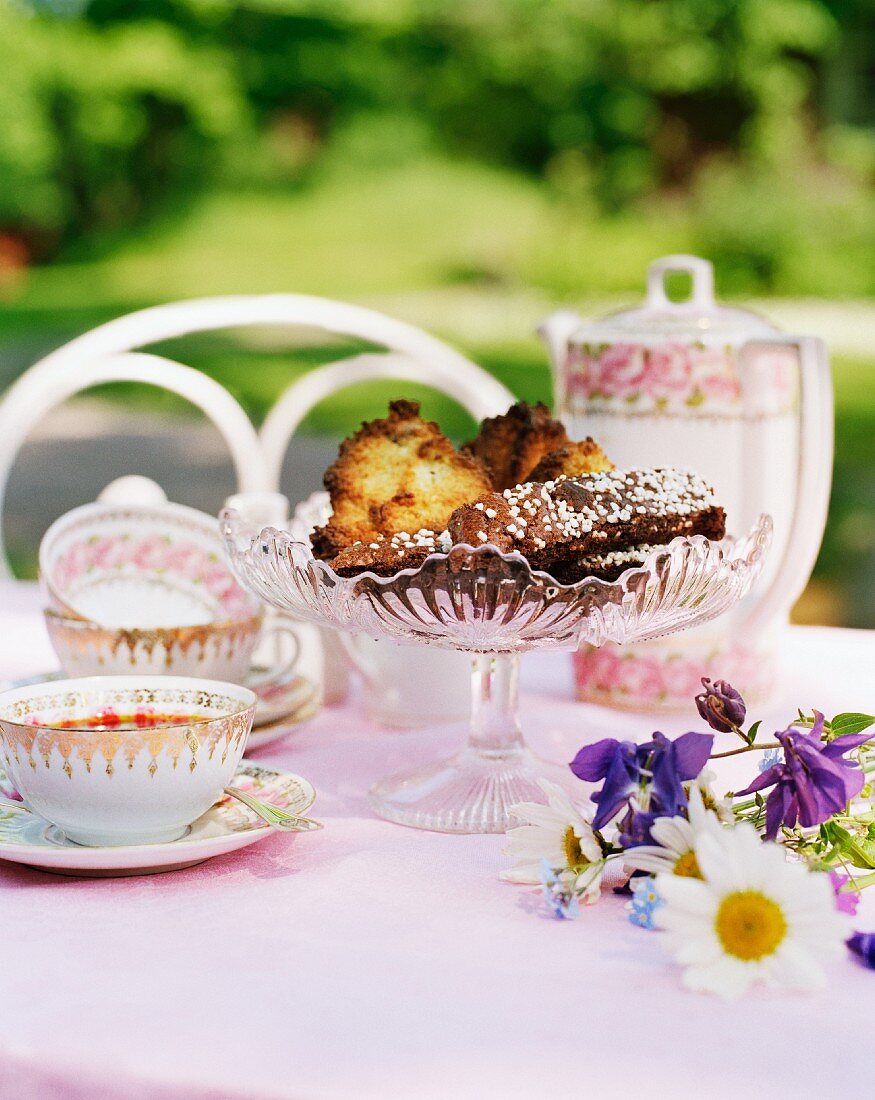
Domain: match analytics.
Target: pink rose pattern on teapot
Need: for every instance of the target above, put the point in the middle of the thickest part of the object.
(637, 678)
(678, 376)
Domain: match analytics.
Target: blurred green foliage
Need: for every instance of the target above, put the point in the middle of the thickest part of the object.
(465, 165)
(743, 122)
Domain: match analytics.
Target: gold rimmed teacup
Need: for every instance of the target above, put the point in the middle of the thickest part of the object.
(218, 650)
(117, 760)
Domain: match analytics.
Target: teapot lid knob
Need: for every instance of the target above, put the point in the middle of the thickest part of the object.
(701, 273)
(133, 489)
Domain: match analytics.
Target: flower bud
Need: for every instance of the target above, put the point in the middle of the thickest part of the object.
(862, 944)
(721, 705)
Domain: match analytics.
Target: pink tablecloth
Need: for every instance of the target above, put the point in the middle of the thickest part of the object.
(371, 960)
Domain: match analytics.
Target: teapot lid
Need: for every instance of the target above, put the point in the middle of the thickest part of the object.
(699, 317)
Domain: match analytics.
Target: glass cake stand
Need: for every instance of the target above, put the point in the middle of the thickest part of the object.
(494, 606)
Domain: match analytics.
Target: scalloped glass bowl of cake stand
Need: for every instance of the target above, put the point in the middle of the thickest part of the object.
(494, 606)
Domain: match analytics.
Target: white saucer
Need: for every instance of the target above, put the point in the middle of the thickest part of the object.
(300, 703)
(291, 704)
(225, 827)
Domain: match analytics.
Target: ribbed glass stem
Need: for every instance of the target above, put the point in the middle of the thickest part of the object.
(495, 728)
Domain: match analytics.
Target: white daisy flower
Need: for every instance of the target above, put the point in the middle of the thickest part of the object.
(752, 917)
(674, 852)
(722, 807)
(559, 835)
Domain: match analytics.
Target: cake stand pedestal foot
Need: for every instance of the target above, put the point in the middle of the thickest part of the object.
(473, 791)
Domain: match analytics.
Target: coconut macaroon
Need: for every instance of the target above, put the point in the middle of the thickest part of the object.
(511, 445)
(395, 475)
(572, 460)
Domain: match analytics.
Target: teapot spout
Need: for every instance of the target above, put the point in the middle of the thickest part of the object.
(555, 331)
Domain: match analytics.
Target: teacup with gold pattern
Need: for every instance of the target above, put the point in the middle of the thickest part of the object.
(218, 650)
(118, 760)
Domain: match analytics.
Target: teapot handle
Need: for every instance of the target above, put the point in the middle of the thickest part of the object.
(555, 331)
(816, 438)
(701, 273)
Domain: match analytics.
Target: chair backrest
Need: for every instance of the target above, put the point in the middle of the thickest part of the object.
(107, 353)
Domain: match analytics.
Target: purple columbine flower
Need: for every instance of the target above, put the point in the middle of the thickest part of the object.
(721, 705)
(813, 782)
(653, 774)
(862, 944)
(635, 826)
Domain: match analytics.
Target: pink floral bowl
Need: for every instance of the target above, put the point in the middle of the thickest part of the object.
(144, 568)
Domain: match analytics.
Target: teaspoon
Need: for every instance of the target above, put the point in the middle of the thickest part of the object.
(272, 815)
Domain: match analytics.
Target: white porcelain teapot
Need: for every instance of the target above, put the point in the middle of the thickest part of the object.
(723, 392)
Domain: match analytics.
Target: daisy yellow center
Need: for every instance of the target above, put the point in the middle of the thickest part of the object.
(749, 925)
(687, 866)
(574, 856)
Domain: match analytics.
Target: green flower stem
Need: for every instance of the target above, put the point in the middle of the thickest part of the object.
(865, 817)
(853, 885)
(590, 873)
(747, 748)
(861, 882)
(740, 807)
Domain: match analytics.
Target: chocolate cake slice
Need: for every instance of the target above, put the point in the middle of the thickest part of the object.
(568, 518)
(386, 556)
(604, 567)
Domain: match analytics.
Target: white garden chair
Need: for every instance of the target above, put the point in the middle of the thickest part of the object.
(109, 353)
